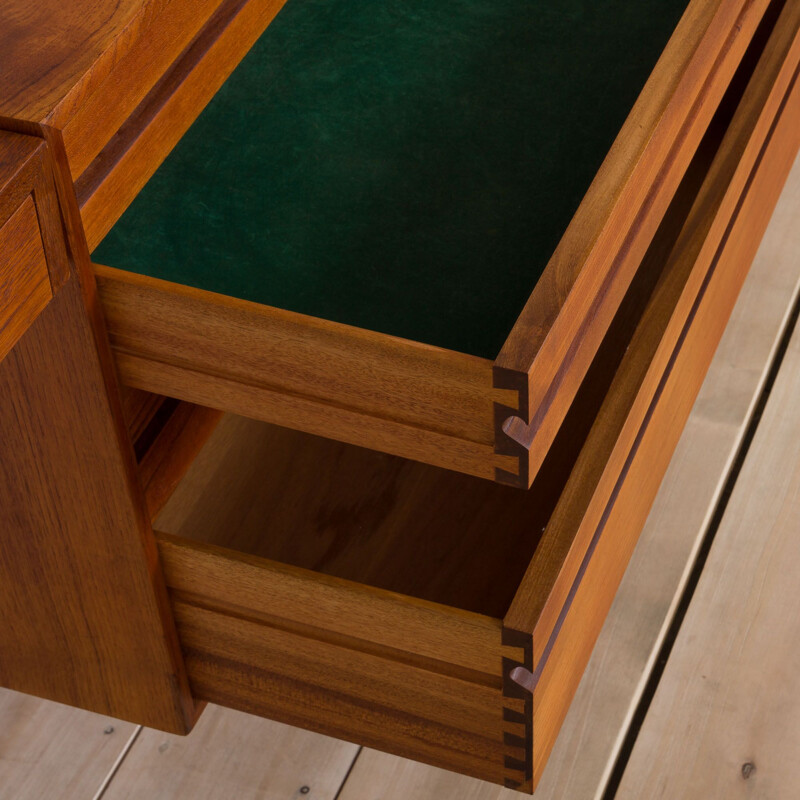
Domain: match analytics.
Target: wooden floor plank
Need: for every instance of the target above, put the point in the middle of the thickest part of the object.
(232, 755)
(725, 719)
(50, 750)
(611, 687)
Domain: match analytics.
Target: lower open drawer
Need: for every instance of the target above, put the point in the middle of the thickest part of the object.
(437, 615)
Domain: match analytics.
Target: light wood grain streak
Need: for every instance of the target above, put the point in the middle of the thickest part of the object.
(24, 280)
(365, 388)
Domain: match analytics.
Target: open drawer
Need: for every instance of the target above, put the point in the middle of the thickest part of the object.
(433, 614)
(405, 227)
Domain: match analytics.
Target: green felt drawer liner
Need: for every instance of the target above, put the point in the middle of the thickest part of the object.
(405, 167)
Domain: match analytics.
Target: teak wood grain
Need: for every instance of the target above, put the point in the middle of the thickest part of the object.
(24, 280)
(528, 727)
(29, 272)
(341, 658)
(714, 209)
(600, 716)
(629, 644)
(112, 181)
(85, 612)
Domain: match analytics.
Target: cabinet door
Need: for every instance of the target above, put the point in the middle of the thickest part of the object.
(84, 618)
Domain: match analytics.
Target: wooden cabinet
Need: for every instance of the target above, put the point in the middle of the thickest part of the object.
(369, 521)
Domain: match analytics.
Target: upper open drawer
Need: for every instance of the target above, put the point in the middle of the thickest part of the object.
(406, 227)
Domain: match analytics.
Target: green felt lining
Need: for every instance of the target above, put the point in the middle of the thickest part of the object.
(406, 167)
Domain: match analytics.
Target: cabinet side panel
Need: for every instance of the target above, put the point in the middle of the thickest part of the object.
(85, 619)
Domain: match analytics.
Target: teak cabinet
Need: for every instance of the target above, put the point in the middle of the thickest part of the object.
(344, 400)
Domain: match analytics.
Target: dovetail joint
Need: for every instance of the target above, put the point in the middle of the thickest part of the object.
(517, 713)
(504, 444)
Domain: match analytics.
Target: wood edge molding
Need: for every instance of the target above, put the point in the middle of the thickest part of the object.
(700, 245)
(458, 641)
(549, 348)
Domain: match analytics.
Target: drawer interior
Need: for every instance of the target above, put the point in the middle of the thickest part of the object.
(405, 168)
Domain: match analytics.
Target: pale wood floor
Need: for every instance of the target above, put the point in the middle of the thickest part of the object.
(724, 721)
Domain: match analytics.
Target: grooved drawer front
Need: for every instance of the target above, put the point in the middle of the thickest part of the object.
(24, 281)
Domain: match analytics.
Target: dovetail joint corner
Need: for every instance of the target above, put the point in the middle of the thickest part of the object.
(504, 444)
(517, 713)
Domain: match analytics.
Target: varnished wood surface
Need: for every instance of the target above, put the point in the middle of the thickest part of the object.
(172, 451)
(628, 645)
(82, 638)
(357, 386)
(359, 515)
(96, 631)
(654, 386)
(691, 261)
(337, 690)
(119, 90)
(24, 280)
(600, 715)
(552, 344)
(449, 639)
(629, 510)
(32, 266)
(765, 125)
